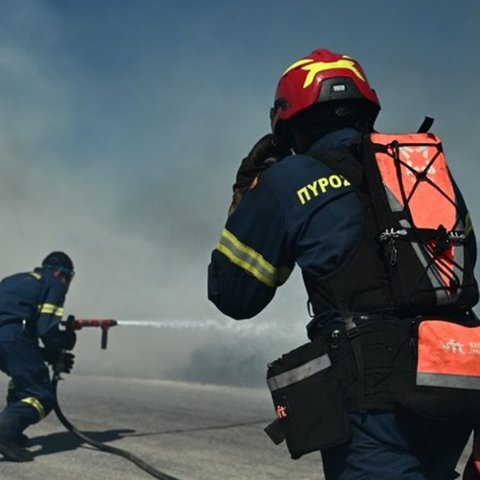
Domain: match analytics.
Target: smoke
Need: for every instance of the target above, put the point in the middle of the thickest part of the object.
(198, 350)
(124, 167)
(119, 140)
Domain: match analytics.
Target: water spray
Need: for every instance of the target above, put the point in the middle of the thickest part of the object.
(74, 324)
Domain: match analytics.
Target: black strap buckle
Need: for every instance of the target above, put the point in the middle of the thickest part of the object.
(352, 331)
(275, 431)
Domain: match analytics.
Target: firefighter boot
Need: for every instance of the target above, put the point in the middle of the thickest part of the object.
(13, 451)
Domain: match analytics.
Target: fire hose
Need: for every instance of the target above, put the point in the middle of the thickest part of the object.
(74, 324)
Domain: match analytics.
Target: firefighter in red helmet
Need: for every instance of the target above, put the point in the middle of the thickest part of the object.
(311, 193)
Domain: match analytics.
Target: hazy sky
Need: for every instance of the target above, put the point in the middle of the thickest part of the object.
(122, 123)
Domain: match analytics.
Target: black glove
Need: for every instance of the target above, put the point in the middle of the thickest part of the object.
(61, 361)
(65, 363)
(56, 339)
(263, 154)
(49, 355)
(69, 339)
(69, 335)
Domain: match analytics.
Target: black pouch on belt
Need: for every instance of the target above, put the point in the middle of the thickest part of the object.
(309, 404)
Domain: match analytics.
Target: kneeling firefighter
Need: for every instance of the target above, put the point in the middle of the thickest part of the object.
(387, 251)
(31, 307)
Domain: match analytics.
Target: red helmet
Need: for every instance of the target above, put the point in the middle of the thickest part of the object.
(320, 77)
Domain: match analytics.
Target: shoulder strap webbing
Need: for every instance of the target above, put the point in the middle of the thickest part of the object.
(342, 161)
(426, 125)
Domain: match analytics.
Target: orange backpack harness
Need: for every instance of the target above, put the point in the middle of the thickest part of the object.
(422, 232)
(411, 261)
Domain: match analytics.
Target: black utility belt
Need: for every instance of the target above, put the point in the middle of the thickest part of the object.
(320, 329)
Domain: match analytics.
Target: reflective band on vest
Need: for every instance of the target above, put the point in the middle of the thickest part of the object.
(299, 373)
(448, 355)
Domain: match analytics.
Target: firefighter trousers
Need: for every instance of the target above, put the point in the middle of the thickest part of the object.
(30, 396)
(396, 446)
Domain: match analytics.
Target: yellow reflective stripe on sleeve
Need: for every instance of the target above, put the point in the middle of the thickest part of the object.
(245, 265)
(248, 259)
(36, 275)
(50, 308)
(35, 403)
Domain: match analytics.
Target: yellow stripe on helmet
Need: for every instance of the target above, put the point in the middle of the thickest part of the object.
(315, 68)
(299, 63)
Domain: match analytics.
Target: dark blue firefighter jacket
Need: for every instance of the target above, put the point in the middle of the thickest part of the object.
(300, 212)
(36, 297)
